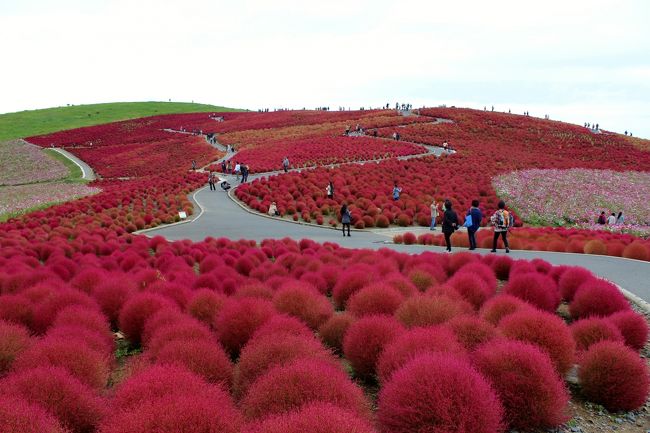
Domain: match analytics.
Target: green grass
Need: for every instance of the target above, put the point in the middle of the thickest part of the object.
(36, 122)
(75, 172)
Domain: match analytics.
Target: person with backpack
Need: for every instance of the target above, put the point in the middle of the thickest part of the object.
(346, 218)
(449, 223)
(501, 220)
(475, 215)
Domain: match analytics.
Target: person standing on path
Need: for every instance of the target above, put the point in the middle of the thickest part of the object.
(449, 223)
(476, 215)
(434, 214)
(501, 220)
(211, 177)
(223, 167)
(346, 218)
(193, 165)
(237, 170)
(396, 191)
(285, 164)
(244, 172)
(229, 167)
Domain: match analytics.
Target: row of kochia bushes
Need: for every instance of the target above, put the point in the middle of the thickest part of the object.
(237, 337)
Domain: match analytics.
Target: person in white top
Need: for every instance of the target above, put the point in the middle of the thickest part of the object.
(237, 170)
(611, 220)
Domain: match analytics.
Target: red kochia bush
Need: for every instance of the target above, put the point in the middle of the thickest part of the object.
(288, 387)
(365, 340)
(415, 342)
(90, 319)
(204, 304)
(313, 418)
(19, 416)
(532, 393)
(545, 330)
(377, 298)
(206, 412)
(439, 393)
(239, 319)
(305, 302)
(203, 357)
(633, 326)
(501, 306)
(535, 288)
(261, 354)
(348, 283)
(16, 309)
(281, 325)
(46, 311)
(55, 390)
(587, 332)
(13, 340)
(137, 310)
(185, 329)
(472, 287)
(425, 310)
(333, 331)
(571, 279)
(613, 375)
(597, 298)
(472, 331)
(87, 365)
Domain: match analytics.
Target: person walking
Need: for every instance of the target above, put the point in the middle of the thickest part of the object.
(476, 216)
(244, 172)
(620, 219)
(501, 220)
(434, 214)
(211, 177)
(193, 165)
(396, 191)
(237, 170)
(223, 167)
(449, 223)
(229, 167)
(285, 164)
(346, 218)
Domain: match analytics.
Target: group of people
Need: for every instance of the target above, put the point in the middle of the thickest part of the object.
(611, 220)
(240, 170)
(213, 179)
(502, 220)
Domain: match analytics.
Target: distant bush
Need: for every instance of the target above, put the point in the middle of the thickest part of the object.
(377, 298)
(333, 331)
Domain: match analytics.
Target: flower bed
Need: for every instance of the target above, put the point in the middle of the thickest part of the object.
(22, 197)
(21, 163)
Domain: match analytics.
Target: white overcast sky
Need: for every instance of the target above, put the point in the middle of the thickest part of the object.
(579, 61)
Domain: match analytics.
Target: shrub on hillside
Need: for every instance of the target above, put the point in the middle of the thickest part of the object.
(289, 387)
(205, 304)
(472, 287)
(545, 330)
(19, 416)
(14, 339)
(90, 319)
(377, 298)
(633, 327)
(571, 279)
(55, 390)
(16, 309)
(333, 331)
(532, 393)
(239, 319)
(502, 306)
(636, 250)
(365, 340)
(350, 282)
(482, 270)
(112, 293)
(79, 335)
(413, 343)
(589, 331)
(137, 310)
(315, 417)
(501, 266)
(305, 302)
(185, 329)
(613, 375)
(281, 325)
(425, 310)
(436, 392)
(597, 298)
(46, 311)
(472, 331)
(536, 289)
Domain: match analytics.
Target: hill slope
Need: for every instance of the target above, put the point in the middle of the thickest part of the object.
(35, 122)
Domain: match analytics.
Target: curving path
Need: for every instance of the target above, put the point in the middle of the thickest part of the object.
(87, 172)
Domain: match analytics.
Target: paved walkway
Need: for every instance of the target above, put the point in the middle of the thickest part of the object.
(86, 172)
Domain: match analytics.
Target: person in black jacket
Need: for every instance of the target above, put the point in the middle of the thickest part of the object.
(449, 223)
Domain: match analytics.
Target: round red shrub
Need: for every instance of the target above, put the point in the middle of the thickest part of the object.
(591, 330)
(636, 250)
(413, 343)
(89, 319)
(161, 318)
(16, 309)
(633, 327)
(482, 270)
(532, 393)
(205, 304)
(333, 331)
(501, 266)
(471, 287)
(255, 290)
(82, 362)
(365, 340)
(409, 238)
(571, 279)
(501, 306)
(377, 298)
(55, 390)
(14, 339)
(314, 417)
(438, 393)
(595, 246)
(46, 311)
(421, 279)
(305, 302)
(111, 294)
(472, 331)
(264, 353)
(19, 416)
(597, 298)
(426, 310)
(281, 325)
(537, 289)
(137, 310)
(613, 375)
(206, 412)
(348, 283)
(185, 329)
(239, 319)
(545, 330)
(289, 387)
(79, 335)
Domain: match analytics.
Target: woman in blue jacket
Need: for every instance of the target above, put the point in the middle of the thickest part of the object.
(476, 215)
